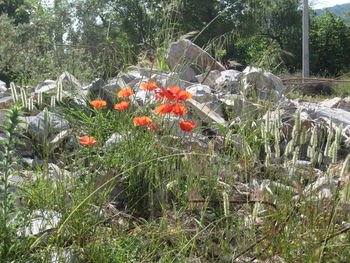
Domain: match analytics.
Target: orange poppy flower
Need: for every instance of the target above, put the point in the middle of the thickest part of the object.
(152, 127)
(164, 108)
(178, 109)
(122, 105)
(187, 125)
(140, 121)
(174, 93)
(183, 95)
(86, 140)
(152, 85)
(98, 103)
(174, 89)
(124, 93)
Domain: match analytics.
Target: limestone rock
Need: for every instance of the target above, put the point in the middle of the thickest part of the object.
(114, 139)
(6, 102)
(3, 87)
(69, 82)
(322, 188)
(39, 129)
(40, 221)
(337, 103)
(65, 255)
(95, 85)
(264, 84)
(188, 74)
(184, 52)
(46, 86)
(228, 77)
(205, 113)
(58, 139)
(209, 78)
(109, 91)
(325, 114)
(201, 93)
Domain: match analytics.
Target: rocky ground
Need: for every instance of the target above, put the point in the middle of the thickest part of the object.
(221, 98)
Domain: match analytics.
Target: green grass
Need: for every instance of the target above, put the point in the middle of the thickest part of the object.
(340, 89)
(343, 89)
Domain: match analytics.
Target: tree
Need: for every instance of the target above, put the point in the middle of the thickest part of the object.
(19, 10)
(281, 21)
(329, 45)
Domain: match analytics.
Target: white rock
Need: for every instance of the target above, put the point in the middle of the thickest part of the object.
(38, 128)
(64, 255)
(201, 93)
(321, 188)
(40, 221)
(188, 74)
(68, 81)
(325, 114)
(47, 85)
(209, 78)
(337, 103)
(264, 84)
(114, 139)
(3, 87)
(58, 139)
(184, 52)
(143, 97)
(6, 102)
(205, 113)
(95, 85)
(228, 76)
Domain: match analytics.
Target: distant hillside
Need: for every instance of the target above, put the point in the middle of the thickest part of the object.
(340, 10)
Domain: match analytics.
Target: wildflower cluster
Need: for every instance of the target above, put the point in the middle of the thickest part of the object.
(171, 103)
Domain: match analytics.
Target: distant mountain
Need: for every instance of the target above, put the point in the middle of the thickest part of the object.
(339, 10)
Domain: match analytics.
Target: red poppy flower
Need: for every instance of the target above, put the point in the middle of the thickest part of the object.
(124, 93)
(86, 140)
(140, 121)
(187, 125)
(165, 94)
(164, 108)
(98, 103)
(152, 127)
(178, 109)
(122, 105)
(152, 85)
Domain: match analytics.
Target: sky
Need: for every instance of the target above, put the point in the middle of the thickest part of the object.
(316, 4)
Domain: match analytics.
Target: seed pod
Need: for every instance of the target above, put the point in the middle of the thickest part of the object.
(226, 203)
(53, 101)
(14, 94)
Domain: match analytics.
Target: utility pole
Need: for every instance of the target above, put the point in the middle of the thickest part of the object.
(306, 57)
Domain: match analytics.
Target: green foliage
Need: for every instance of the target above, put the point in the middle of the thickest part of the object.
(7, 210)
(329, 45)
(19, 10)
(280, 21)
(261, 52)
